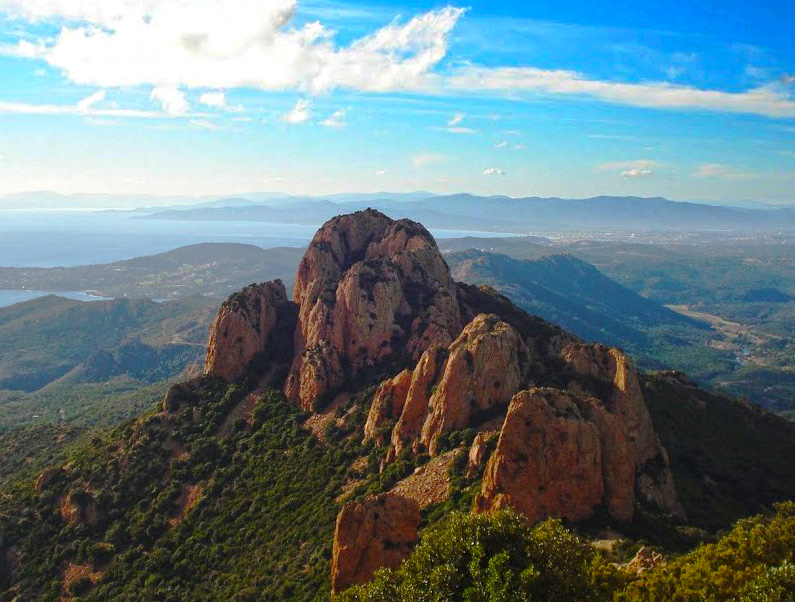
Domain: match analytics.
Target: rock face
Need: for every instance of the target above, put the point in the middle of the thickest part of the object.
(609, 374)
(387, 405)
(369, 289)
(486, 365)
(451, 388)
(378, 532)
(243, 331)
(559, 455)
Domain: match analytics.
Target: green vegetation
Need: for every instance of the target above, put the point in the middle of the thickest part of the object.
(498, 558)
(163, 509)
(491, 558)
(91, 364)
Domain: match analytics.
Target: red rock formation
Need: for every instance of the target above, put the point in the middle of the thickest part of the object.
(609, 375)
(377, 532)
(409, 425)
(486, 365)
(477, 455)
(559, 456)
(387, 405)
(368, 289)
(242, 330)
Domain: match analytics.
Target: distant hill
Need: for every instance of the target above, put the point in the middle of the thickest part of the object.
(573, 294)
(43, 339)
(506, 214)
(202, 269)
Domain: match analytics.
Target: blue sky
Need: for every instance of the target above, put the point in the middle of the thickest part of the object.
(574, 99)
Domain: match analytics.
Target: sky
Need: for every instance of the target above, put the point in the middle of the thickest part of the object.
(691, 101)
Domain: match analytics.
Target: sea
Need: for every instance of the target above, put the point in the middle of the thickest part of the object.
(72, 238)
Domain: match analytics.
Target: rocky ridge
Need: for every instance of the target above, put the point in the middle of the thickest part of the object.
(375, 296)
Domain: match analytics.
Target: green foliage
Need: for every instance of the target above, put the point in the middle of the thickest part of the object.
(492, 558)
(752, 562)
(260, 527)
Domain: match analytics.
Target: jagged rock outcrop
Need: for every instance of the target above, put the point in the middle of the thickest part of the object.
(388, 402)
(451, 388)
(375, 533)
(609, 375)
(486, 365)
(559, 455)
(242, 334)
(48, 477)
(369, 289)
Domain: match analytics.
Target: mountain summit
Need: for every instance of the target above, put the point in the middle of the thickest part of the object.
(574, 438)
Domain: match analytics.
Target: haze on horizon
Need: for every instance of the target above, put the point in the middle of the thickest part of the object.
(224, 97)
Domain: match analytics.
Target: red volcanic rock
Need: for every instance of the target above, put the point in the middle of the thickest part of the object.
(242, 329)
(369, 289)
(559, 456)
(375, 533)
(387, 404)
(486, 365)
(477, 455)
(609, 375)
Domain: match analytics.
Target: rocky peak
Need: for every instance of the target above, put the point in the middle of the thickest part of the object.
(245, 333)
(369, 290)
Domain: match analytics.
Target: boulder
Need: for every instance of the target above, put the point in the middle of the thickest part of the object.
(372, 534)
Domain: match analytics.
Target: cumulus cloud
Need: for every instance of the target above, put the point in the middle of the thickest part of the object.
(217, 100)
(223, 44)
(493, 171)
(501, 145)
(300, 113)
(456, 119)
(335, 120)
(454, 125)
(172, 99)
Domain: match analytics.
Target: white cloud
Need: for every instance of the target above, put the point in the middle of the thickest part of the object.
(454, 125)
(637, 172)
(628, 166)
(493, 171)
(501, 145)
(172, 99)
(426, 159)
(335, 120)
(459, 130)
(89, 101)
(724, 172)
(223, 44)
(772, 100)
(300, 113)
(381, 172)
(21, 108)
(205, 124)
(519, 147)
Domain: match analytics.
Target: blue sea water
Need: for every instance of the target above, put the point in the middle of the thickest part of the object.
(11, 297)
(70, 238)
